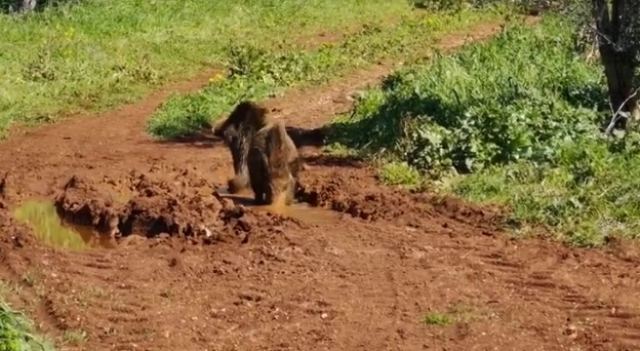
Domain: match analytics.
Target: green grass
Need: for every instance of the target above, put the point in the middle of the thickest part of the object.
(98, 53)
(587, 197)
(74, 337)
(47, 226)
(456, 313)
(400, 173)
(16, 332)
(438, 319)
(513, 122)
(256, 71)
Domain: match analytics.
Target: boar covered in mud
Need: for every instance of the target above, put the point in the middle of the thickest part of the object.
(264, 156)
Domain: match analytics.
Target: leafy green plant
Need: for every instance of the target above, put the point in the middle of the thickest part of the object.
(513, 121)
(518, 97)
(15, 332)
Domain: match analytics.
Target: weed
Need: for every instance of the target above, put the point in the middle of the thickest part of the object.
(16, 332)
(438, 319)
(456, 313)
(40, 69)
(400, 173)
(340, 150)
(74, 337)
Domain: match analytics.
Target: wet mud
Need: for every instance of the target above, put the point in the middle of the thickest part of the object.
(160, 202)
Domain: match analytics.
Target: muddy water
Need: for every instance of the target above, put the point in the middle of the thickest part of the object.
(42, 217)
(304, 213)
(301, 211)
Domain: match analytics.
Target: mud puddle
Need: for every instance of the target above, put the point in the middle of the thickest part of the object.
(300, 211)
(42, 217)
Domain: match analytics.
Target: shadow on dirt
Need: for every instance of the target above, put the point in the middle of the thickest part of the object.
(326, 160)
(301, 137)
(201, 139)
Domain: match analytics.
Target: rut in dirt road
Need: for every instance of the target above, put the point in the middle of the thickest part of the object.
(363, 278)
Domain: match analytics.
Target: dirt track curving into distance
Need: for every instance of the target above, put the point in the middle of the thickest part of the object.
(359, 275)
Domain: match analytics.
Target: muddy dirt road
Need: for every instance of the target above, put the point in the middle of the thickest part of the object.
(360, 275)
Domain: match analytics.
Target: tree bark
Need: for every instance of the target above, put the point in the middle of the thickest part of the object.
(619, 68)
(618, 59)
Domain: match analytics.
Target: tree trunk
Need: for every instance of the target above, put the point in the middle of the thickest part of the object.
(617, 58)
(619, 69)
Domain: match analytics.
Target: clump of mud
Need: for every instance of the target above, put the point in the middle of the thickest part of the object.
(364, 198)
(357, 199)
(175, 202)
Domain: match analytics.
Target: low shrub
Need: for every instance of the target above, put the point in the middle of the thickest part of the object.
(514, 121)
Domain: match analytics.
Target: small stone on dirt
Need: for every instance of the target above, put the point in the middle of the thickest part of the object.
(571, 331)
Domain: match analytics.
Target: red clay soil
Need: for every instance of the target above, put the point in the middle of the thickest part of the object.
(209, 273)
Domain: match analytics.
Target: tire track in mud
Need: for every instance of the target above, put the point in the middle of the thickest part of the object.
(351, 284)
(108, 311)
(588, 315)
(604, 322)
